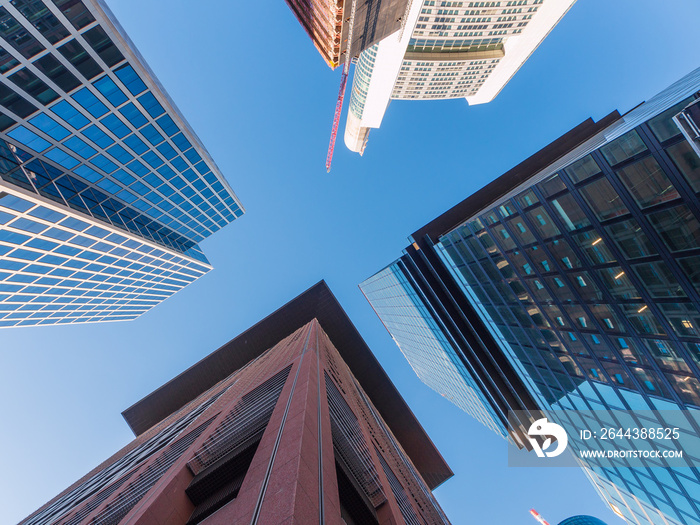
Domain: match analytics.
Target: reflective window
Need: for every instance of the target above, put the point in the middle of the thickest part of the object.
(57, 72)
(687, 162)
(647, 183)
(582, 169)
(561, 251)
(15, 103)
(658, 279)
(642, 319)
(543, 223)
(603, 200)
(103, 46)
(29, 138)
(18, 37)
(551, 186)
(111, 92)
(32, 85)
(622, 148)
(683, 317)
(618, 284)
(525, 199)
(691, 268)
(76, 12)
(570, 212)
(678, 227)
(71, 115)
(49, 126)
(630, 239)
(130, 79)
(80, 59)
(663, 126)
(90, 102)
(594, 247)
(42, 19)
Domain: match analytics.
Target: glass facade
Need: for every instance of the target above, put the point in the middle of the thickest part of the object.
(415, 329)
(589, 273)
(86, 130)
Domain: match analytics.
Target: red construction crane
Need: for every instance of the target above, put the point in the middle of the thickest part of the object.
(341, 94)
(539, 518)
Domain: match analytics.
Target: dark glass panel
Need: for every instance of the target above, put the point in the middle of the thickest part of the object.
(76, 12)
(658, 279)
(34, 86)
(594, 247)
(678, 227)
(647, 183)
(15, 103)
(551, 186)
(603, 200)
(543, 223)
(663, 126)
(618, 284)
(17, 36)
(53, 69)
(104, 47)
(687, 162)
(42, 19)
(570, 212)
(81, 60)
(582, 169)
(622, 148)
(630, 238)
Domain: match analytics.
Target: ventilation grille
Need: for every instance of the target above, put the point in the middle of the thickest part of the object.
(120, 507)
(350, 444)
(409, 515)
(247, 418)
(104, 483)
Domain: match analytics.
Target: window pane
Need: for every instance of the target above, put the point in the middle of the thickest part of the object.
(552, 185)
(603, 200)
(628, 145)
(629, 237)
(691, 268)
(543, 223)
(594, 247)
(582, 169)
(687, 162)
(570, 212)
(647, 183)
(659, 280)
(678, 227)
(663, 126)
(618, 284)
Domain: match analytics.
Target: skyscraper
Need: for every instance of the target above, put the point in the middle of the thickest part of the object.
(571, 283)
(293, 421)
(105, 190)
(447, 49)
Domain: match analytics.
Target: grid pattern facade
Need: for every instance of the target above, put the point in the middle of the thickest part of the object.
(415, 330)
(85, 125)
(589, 273)
(591, 277)
(446, 27)
(58, 269)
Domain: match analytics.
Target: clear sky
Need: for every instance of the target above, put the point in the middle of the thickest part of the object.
(259, 95)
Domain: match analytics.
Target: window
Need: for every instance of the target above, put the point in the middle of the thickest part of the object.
(663, 126)
(103, 46)
(629, 237)
(647, 183)
(582, 169)
(687, 162)
(622, 148)
(81, 60)
(603, 200)
(678, 227)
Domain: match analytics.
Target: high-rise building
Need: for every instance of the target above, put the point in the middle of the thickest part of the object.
(331, 23)
(105, 190)
(447, 49)
(571, 283)
(293, 421)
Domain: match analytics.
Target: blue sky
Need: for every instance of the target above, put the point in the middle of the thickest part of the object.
(254, 88)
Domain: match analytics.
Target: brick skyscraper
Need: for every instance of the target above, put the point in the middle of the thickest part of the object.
(293, 421)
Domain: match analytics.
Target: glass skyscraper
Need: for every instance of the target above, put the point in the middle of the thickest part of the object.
(105, 190)
(572, 283)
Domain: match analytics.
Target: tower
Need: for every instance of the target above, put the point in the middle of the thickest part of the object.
(292, 421)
